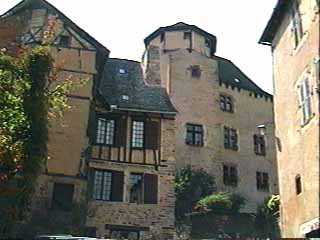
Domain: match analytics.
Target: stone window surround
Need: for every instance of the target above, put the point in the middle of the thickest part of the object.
(226, 99)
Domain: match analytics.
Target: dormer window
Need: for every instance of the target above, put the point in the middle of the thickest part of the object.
(65, 41)
(236, 80)
(187, 35)
(125, 97)
(122, 71)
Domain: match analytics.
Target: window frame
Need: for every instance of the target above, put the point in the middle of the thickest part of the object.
(297, 27)
(230, 179)
(262, 181)
(224, 101)
(305, 98)
(194, 132)
(143, 134)
(187, 35)
(231, 139)
(259, 143)
(102, 185)
(66, 42)
(142, 187)
(195, 71)
(105, 131)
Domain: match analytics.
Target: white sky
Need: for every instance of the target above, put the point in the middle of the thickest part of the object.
(121, 25)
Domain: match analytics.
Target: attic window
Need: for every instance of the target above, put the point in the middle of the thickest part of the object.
(187, 35)
(65, 41)
(195, 71)
(122, 71)
(236, 80)
(125, 97)
(207, 42)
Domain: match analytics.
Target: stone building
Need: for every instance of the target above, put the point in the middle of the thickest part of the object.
(219, 109)
(117, 149)
(293, 34)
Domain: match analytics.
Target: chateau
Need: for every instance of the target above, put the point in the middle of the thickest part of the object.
(135, 124)
(293, 34)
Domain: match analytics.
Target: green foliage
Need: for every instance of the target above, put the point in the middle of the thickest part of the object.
(221, 203)
(273, 204)
(29, 94)
(190, 186)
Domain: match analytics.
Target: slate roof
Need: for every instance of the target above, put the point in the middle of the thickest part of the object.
(142, 97)
(181, 26)
(230, 74)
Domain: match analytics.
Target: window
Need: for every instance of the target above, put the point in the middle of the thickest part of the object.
(125, 234)
(107, 185)
(296, 23)
(305, 101)
(230, 175)
(122, 71)
(195, 71)
(207, 42)
(65, 41)
(105, 131)
(262, 181)
(137, 134)
(230, 138)
(194, 134)
(143, 188)
(62, 196)
(298, 184)
(136, 188)
(226, 103)
(162, 37)
(187, 35)
(259, 145)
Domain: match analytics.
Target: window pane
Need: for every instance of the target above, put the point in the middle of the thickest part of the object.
(110, 132)
(107, 183)
(136, 188)
(98, 175)
(137, 134)
(101, 130)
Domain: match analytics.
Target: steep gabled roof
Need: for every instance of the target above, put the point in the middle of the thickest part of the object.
(44, 4)
(230, 74)
(128, 91)
(181, 26)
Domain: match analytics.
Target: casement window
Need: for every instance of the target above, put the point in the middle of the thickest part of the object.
(107, 185)
(137, 134)
(298, 184)
(195, 71)
(187, 35)
(145, 134)
(262, 181)
(230, 175)
(230, 138)
(296, 23)
(226, 103)
(259, 145)
(143, 188)
(65, 41)
(305, 101)
(105, 131)
(62, 196)
(194, 134)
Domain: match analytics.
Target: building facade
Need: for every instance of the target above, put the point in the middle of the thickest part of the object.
(293, 34)
(219, 109)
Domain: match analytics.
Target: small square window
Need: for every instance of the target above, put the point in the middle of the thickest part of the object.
(65, 41)
(226, 103)
(195, 71)
(187, 35)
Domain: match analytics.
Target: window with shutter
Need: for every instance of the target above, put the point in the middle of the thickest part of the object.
(150, 189)
(152, 135)
(62, 196)
(143, 188)
(121, 132)
(138, 130)
(136, 188)
(296, 23)
(107, 185)
(305, 101)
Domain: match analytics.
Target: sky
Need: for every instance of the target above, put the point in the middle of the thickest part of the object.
(122, 25)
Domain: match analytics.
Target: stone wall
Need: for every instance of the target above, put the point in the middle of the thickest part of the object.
(300, 143)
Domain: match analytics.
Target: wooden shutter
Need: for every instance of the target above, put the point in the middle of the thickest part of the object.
(152, 134)
(117, 186)
(150, 189)
(90, 182)
(92, 125)
(121, 132)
